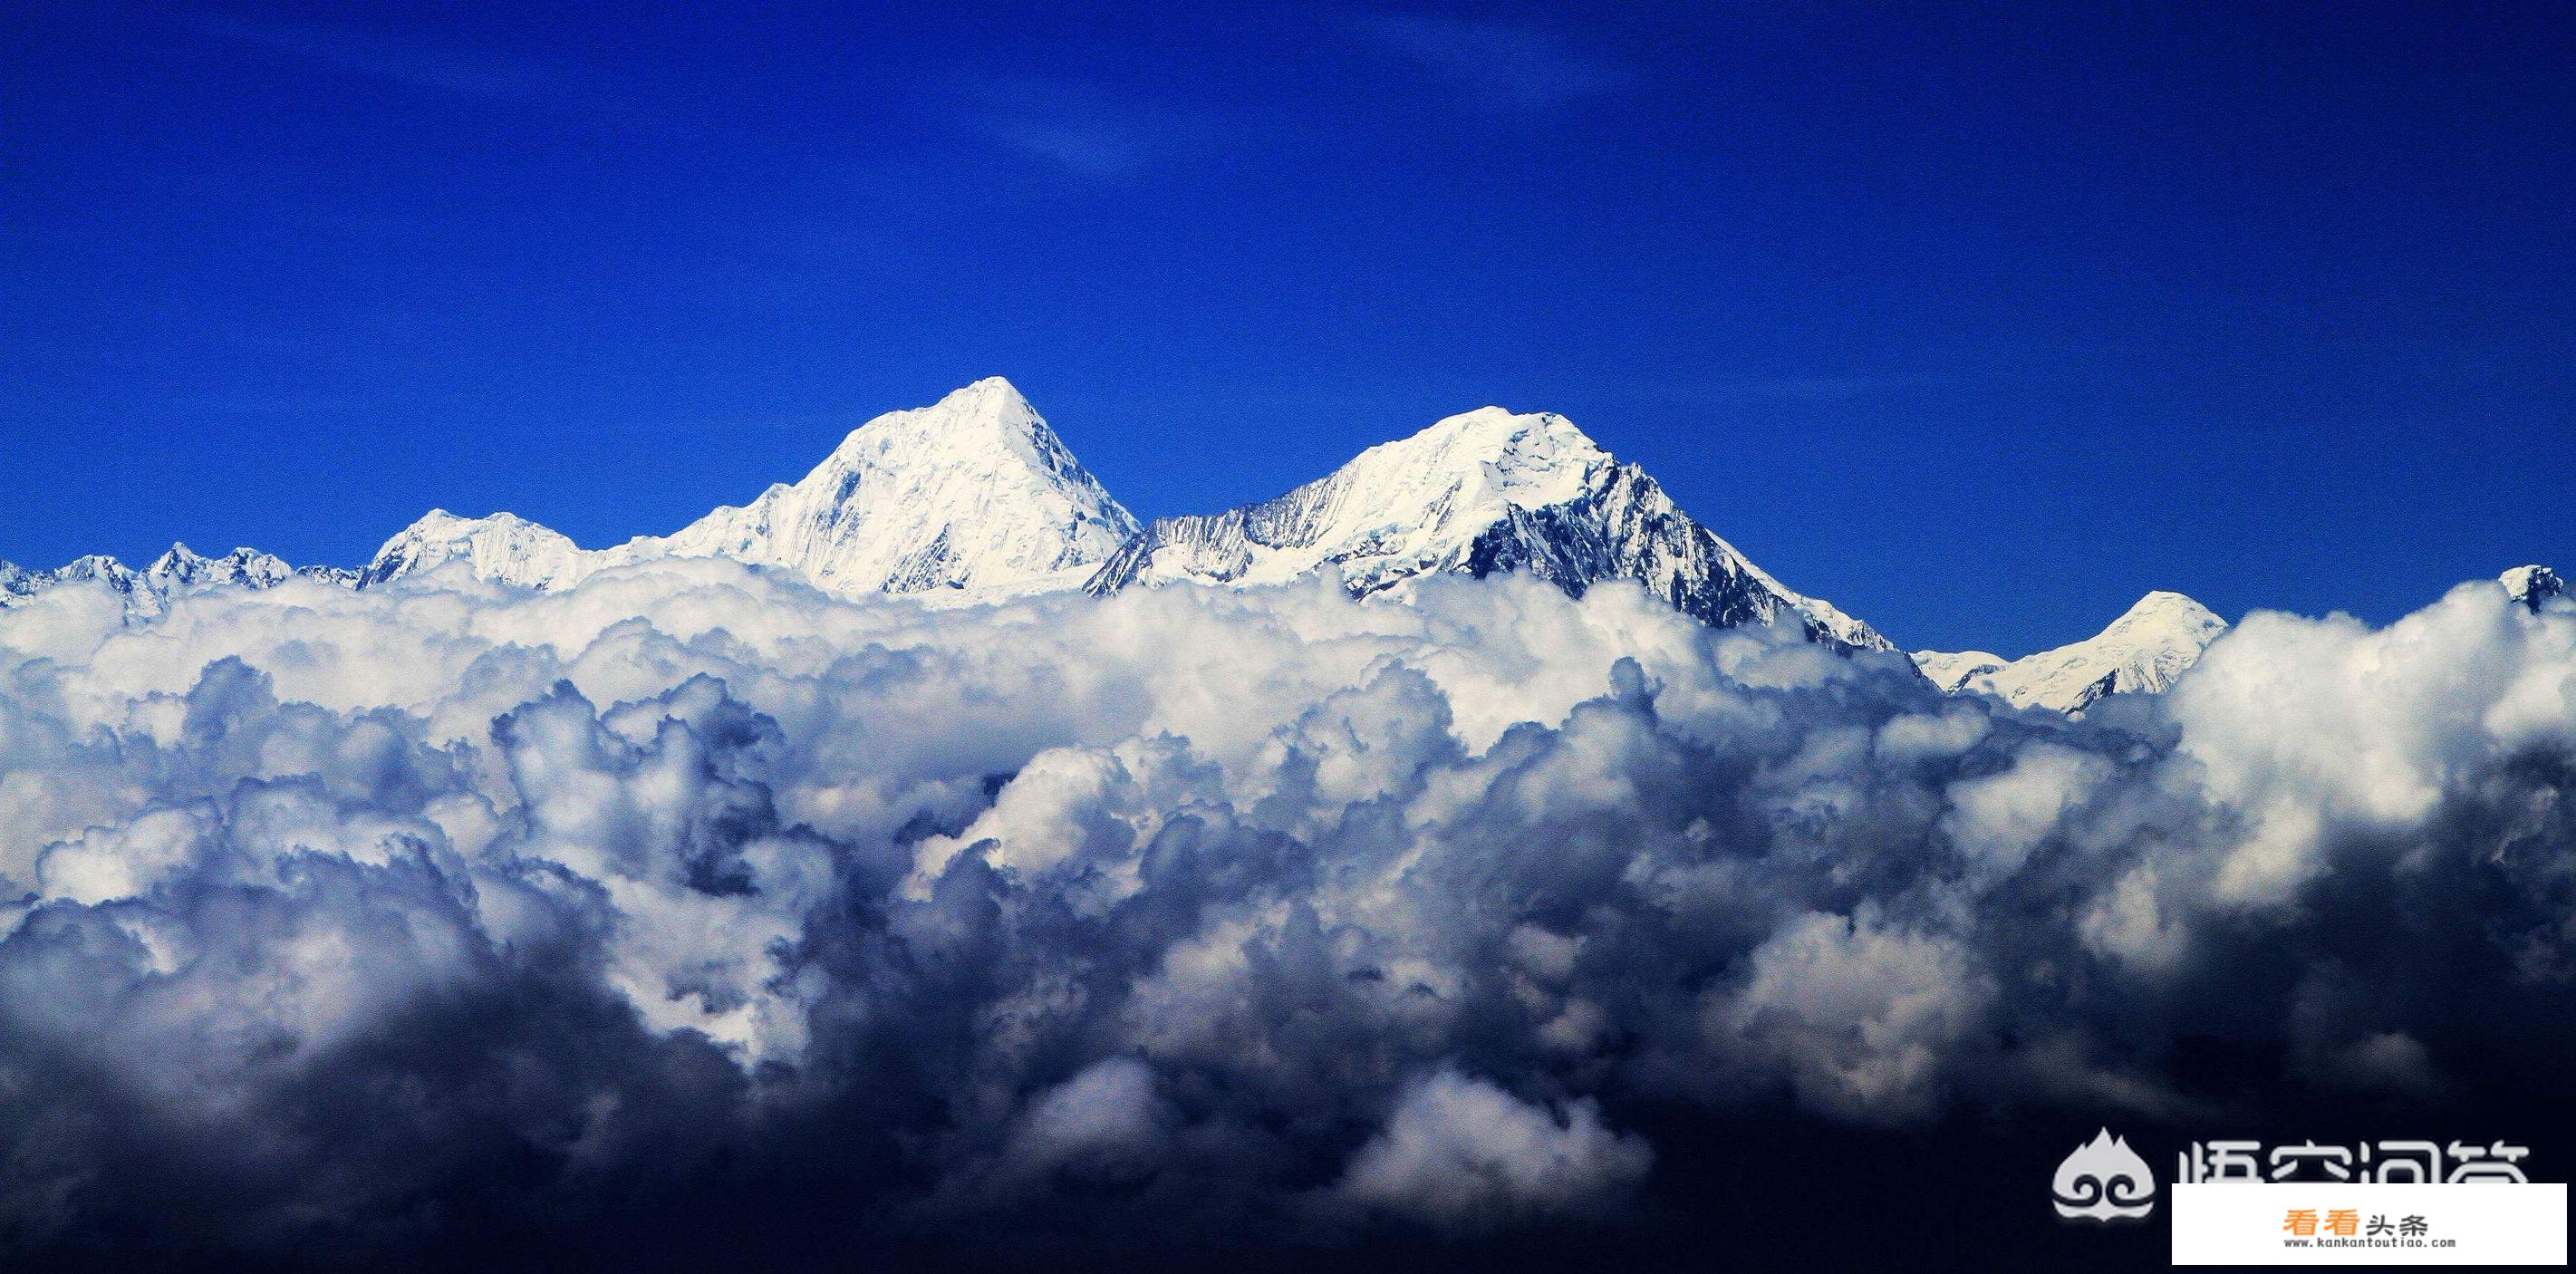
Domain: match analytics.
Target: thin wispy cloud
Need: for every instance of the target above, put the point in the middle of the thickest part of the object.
(1078, 128)
(1494, 65)
(408, 61)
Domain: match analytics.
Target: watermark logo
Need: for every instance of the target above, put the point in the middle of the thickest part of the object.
(2104, 1180)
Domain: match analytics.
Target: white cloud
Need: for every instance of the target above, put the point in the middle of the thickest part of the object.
(1163, 905)
(1462, 1154)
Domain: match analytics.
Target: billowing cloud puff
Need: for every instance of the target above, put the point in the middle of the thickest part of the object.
(1461, 1153)
(691, 904)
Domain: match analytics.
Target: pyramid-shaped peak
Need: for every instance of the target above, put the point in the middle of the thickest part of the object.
(972, 491)
(2166, 608)
(981, 426)
(179, 555)
(995, 391)
(990, 401)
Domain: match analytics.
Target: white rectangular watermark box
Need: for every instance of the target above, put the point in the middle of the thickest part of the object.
(2369, 1223)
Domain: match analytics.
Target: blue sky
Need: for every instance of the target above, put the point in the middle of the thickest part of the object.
(1980, 321)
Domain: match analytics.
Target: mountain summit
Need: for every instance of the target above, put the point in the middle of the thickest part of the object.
(2143, 650)
(503, 547)
(972, 492)
(1474, 494)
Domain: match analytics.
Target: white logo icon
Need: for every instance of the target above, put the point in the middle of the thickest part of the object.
(2104, 1180)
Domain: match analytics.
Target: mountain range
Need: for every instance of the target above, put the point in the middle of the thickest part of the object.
(975, 499)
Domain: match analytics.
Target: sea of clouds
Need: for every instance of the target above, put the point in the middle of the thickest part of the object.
(340, 926)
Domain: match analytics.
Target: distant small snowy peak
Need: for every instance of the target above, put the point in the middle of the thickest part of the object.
(1950, 670)
(502, 546)
(1477, 493)
(335, 576)
(141, 599)
(2143, 652)
(182, 567)
(974, 493)
(147, 592)
(2532, 586)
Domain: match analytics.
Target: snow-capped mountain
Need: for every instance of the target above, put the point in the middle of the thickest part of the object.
(2532, 586)
(503, 547)
(975, 498)
(147, 592)
(2142, 651)
(1473, 494)
(973, 494)
(18, 584)
(245, 568)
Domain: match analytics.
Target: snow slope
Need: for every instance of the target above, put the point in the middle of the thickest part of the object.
(503, 547)
(2142, 651)
(1473, 494)
(1951, 671)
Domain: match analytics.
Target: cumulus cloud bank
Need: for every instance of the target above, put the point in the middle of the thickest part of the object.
(347, 925)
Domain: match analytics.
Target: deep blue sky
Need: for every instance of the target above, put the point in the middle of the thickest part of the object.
(1979, 321)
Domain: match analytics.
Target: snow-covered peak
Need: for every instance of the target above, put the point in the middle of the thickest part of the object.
(501, 546)
(974, 492)
(1488, 455)
(181, 567)
(142, 598)
(2143, 650)
(1476, 493)
(2164, 619)
(987, 414)
(178, 561)
(973, 495)
(96, 568)
(147, 592)
(2532, 586)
